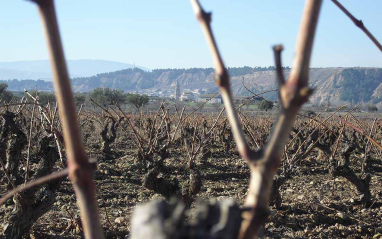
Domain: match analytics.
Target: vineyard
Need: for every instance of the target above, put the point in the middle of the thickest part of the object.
(99, 169)
(329, 183)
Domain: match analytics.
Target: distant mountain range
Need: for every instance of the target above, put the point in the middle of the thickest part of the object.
(41, 70)
(336, 85)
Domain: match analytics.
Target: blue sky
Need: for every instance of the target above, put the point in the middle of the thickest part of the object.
(165, 34)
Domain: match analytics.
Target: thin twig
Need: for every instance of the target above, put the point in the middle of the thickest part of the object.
(362, 132)
(6, 174)
(177, 126)
(29, 143)
(358, 23)
(39, 181)
(200, 106)
(367, 148)
(338, 140)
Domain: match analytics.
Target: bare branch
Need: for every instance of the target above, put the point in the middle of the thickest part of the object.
(30, 141)
(322, 123)
(136, 134)
(361, 132)
(200, 106)
(177, 126)
(80, 169)
(300, 71)
(253, 96)
(222, 80)
(358, 23)
(39, 181)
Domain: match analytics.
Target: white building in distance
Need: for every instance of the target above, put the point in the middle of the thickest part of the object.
(217, 99)
(187, 96)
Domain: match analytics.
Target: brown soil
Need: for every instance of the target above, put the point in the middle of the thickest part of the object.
(314, 205)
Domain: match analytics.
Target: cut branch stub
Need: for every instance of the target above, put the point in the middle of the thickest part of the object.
(279, 68)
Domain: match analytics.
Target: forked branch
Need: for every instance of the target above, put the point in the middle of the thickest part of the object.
(293, 93)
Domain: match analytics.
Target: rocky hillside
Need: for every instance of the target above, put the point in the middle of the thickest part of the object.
(338, 85)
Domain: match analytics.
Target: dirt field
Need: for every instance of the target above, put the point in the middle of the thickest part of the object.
(314, 204)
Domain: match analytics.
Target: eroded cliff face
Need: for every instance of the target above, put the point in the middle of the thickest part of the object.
(327, 86)
(336, 85)
(377, 93)
(324, 80)
(331, 84)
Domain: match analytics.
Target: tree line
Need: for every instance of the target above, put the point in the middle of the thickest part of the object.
(358, 85)
(103, 96)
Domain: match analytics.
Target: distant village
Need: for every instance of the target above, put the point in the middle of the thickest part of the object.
(195, 95)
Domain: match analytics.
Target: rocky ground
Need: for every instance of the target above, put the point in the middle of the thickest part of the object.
(314, 204)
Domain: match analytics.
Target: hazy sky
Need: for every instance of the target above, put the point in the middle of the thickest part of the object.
(165, 34)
